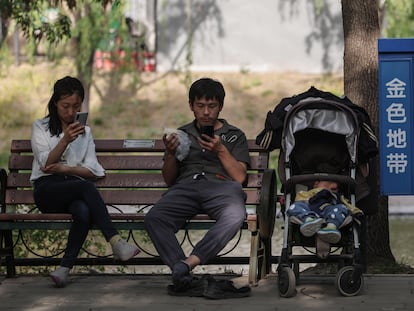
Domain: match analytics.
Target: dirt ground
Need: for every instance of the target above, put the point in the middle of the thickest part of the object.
(142, 106)
(162, 101)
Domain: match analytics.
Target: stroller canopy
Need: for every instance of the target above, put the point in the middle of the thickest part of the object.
(324, 115)
(320, 110)
(320, 133)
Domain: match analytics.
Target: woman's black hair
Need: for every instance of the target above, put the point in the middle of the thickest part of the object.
(207, 88)
(64, 87)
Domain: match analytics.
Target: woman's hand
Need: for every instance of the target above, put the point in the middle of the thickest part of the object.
(62, 169)
(55, 168)
(72, 131)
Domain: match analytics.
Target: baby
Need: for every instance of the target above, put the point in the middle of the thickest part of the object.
(322, 210)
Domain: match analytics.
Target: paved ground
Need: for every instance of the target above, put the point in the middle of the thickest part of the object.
(148, 292)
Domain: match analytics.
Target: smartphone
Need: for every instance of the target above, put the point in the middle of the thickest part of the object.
(208, 130)
(81, 117)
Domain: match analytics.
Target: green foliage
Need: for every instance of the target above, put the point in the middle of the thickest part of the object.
(36, 20)
(399, 18)
(267, 93)
(89, 23)
(4, 158)
(319, 6)
(252, 83)
(40, 242)
(87, 34)
(46, 17)
(12, 114)
(5, 57)
(103, 28)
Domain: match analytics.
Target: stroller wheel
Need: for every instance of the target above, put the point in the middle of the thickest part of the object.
(286, 282)
(348, 281)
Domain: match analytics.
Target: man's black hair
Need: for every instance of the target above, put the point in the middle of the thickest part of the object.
(207, 88)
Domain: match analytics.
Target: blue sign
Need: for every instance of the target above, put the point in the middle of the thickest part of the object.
(396, 116)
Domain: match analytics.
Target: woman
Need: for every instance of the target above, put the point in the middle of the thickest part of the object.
(64, 164)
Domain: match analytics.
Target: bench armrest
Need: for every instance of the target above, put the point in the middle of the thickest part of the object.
(266, 211)
(3, 185)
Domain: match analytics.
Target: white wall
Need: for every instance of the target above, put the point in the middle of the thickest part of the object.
(263, 35)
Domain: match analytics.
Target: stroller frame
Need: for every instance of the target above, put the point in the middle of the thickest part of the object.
(319, 115)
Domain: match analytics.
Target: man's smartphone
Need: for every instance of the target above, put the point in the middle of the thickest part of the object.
(81, 117)
(208, 130)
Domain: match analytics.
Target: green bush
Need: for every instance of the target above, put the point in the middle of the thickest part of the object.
(14, 113)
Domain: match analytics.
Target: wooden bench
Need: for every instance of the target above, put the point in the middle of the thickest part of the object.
(133, 178)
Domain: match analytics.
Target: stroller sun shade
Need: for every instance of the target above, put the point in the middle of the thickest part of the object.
(317, 113)
(318, 132)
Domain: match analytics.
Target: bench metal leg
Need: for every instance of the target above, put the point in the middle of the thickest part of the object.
(253, 264)
(265, 258)
(6, 251)
(260, 255)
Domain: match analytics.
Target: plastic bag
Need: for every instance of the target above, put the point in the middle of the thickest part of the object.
(184, 147)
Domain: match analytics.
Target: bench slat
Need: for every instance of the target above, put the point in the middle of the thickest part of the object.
(123, 180)
(113, 180)
(127, 221)
(124, 162)
(109, 162)
(120, 197)
(114, 217)
(114, 145)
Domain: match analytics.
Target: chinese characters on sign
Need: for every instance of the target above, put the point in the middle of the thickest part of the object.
(397, 138)
(395, 126)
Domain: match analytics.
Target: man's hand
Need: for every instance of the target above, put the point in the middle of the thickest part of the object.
(169, 169)
(235, 169)
(171, 143)
(210, 143)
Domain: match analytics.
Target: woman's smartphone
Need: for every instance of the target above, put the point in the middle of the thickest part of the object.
(208, 130)
(81, 117)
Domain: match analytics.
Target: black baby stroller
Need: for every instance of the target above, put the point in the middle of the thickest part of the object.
(321, 137)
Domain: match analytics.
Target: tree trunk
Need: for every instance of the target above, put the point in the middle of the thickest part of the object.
(361, 32)
(85, 74)
(84, 65)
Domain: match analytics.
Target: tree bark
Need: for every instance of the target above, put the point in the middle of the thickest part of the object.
(361, 32)
(84, 66)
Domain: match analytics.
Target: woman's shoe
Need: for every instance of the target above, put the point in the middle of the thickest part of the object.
(60, 276)
(124, 251)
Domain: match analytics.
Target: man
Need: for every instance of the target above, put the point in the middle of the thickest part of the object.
(208, 180)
